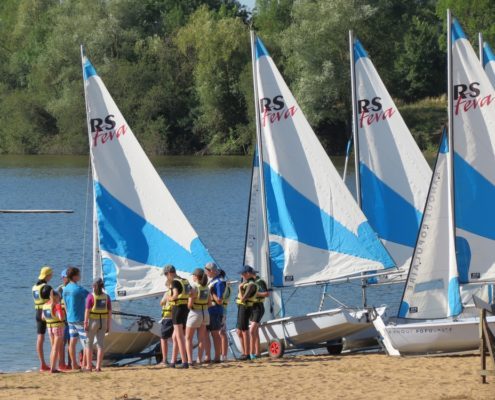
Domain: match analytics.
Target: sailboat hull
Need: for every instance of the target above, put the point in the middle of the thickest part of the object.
(434, 336)
(311, 329)
(129, 339)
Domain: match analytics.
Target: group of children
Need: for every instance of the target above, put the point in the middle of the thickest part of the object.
(199, 306)
(70, 314)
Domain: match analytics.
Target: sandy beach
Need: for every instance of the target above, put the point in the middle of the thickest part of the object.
(371, 376)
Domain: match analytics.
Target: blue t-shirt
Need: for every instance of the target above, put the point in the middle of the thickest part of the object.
(217, 286)
(75, 302)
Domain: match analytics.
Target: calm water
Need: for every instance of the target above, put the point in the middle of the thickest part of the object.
(212, 192)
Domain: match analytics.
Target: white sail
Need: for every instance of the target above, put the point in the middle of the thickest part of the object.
(316, 230)
(432, 287)
(140, 226)
(474, 162)
(394, 175)
(489, 62)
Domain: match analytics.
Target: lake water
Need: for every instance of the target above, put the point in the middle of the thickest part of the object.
(212, 191)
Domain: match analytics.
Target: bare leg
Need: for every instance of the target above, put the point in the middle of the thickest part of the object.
(99, 358)
(39, 349)
(202, 337)
(225, 342)
(89, 356)
(164, 346)
(175, 347)
(241, 341)
(181, 341)
(189, 345)
(253, 330)
(53, 352)
(72, 352)
(245, 336)
(207, 346)
(217, 343)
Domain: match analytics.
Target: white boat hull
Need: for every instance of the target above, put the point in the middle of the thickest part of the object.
(433, 336)
(310, 329)
(126, 338)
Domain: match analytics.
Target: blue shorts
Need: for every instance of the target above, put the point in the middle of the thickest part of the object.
(76, 330)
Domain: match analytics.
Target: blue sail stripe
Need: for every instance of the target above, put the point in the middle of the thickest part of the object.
(488, 55)
(127, 234)
(261, 49)
(384, 207)
(291, 215)
(109, 270)
(457, 32)
(454, 296)
(474, 194)
(88, 70)
(359, 51)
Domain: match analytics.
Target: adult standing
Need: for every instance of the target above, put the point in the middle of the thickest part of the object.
(226, 300)
(41, 294)
(75, 304)
(167, 326)
(245, 300)
(257, 313)
(217, 289)
(178, 300)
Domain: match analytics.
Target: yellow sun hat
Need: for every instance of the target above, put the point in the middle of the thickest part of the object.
(45, 271)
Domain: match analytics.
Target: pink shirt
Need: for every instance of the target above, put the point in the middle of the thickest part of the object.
(90, 302)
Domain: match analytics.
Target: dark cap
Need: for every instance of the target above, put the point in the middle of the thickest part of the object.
(198, 272)
(211, 266)
(168, 268)
(247, 269)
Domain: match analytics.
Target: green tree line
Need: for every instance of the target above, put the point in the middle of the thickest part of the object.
(180, 70)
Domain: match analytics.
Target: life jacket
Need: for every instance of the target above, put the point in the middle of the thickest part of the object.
(38, 300)
(261, 288)
(211, 285)
(251, 300)
(52, 320)
(100, 306)
(167, 308)
(184, 294)
(226, 295)
(201, 300)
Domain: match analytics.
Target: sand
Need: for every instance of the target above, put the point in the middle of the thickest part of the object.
(369, 376)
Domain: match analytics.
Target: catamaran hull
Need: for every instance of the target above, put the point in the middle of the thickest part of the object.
(310, 330)
(128, 339)
(433, 336)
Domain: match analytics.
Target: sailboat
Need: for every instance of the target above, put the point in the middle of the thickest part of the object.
(392, 174)
(455, 241)
(488, 59)
(137, 225)
(304, 227)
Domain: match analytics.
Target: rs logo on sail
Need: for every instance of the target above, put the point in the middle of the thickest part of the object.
(104, 130)
(274, 110)
(467, 97)
(371, 111)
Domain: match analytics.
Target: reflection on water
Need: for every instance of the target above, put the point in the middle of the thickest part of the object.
(212, 191)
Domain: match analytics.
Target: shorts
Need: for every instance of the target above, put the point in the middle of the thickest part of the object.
(97, 330)
(76, 330)
(58, 331)
(196, 318)
(167, 328)
(179, 314)
(215, 322)
(257, 312)
(40, 324)
(243, 315)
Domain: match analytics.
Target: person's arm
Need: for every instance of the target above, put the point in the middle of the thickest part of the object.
(264, 291)
(192, 297)
(59, 312)
(89, 306)
(249, 292)
(163, 301)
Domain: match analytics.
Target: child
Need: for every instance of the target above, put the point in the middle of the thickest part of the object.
(198, 317)
(97, 322)
(167, 326)
(54, 316)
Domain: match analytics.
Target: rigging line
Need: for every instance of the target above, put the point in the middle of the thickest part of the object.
(85, 224)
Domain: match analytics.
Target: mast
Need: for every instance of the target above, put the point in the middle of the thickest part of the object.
(259, 145)
(94, 224)
(354, 117)
(480, 47)
(450, 133)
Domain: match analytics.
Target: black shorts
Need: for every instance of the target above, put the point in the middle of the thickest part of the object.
(167, 328)
(243, 315)
(179, 314)
(215, 322)
(40, 324)
(257, 312)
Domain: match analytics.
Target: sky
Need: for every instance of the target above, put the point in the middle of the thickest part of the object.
(249, 3)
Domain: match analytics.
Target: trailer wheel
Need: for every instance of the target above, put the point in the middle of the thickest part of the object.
(335, 347)
(276, 348)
